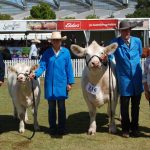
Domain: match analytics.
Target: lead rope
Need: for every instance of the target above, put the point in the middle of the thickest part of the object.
(33, 106)
(110, 95)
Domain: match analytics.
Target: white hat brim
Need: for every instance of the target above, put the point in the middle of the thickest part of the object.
(62, 38)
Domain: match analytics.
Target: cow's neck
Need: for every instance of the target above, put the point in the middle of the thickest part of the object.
(25, 87)
(95, 76)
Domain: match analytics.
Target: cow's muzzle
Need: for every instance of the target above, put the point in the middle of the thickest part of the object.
(102, 61)
(22, 77)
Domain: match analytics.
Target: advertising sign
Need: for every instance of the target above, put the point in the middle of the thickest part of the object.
(41, 25)
(69, 25)
(12, 26)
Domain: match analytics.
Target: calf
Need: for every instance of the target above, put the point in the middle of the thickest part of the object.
(21, 90)
(98, 81)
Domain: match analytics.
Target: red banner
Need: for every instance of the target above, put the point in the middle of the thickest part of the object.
(87, 24)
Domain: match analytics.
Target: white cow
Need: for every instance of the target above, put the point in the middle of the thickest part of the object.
(20, 90)
(98, 82)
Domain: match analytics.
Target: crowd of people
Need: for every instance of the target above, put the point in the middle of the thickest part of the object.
(12, 49)
(59, 78)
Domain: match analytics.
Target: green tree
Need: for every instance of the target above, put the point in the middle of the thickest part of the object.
(142, 10)
(5, 17)
(42, 11)
(93, 16)
(142, 4)
(68, 18)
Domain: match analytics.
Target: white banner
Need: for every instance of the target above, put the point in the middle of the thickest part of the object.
(12, 26)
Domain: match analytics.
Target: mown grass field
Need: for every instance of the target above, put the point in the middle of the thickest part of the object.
(77, 123)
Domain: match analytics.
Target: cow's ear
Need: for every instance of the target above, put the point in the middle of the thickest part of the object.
(11, 69)
(110, 48)
(77, 50)
(34, 67)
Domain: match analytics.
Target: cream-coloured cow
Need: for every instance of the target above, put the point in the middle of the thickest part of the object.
(20, 90)
(98, 82)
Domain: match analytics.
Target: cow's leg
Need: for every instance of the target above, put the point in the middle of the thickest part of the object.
(92, 114)
(111, 114)
(21, 112)
(26, 116)
(34, 111)
(15, 111)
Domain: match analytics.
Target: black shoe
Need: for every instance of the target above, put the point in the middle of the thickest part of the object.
(53, 131)
(135, 133)
(62, 132)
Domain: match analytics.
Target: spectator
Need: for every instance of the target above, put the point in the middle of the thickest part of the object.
(129, 74)
(6, 54)
(45, 45)
(34, 50)
(56, 61)
(102, 43)
(73, 39)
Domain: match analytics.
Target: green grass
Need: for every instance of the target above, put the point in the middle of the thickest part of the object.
(77, 123)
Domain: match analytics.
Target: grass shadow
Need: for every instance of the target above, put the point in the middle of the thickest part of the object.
(144, 131)
(79, 122)
(8, 123)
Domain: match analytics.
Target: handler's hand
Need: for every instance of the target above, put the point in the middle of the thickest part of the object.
(104, 57)
(31, 75)
(69, 87)
(1, 83)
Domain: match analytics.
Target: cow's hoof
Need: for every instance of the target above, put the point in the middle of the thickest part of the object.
(21, 130)
(91, 132)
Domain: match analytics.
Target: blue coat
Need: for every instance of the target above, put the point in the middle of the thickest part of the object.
(128, 66)
(58, 73)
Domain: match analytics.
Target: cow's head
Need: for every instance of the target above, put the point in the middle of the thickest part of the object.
(94, 54)
(22, 71)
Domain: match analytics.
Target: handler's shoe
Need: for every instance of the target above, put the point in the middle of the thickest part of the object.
(62, 132)
(125, 134)
(53, 131)
(135, 133)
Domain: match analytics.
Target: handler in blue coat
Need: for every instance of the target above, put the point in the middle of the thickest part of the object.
(56, 62)
(129, 74)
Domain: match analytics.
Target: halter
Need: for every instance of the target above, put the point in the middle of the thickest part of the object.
(101, 60)
(25, 74)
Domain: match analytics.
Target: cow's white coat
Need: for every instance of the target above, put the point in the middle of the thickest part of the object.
(20, 90)
(95, 82)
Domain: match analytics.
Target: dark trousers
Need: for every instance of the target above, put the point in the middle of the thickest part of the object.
(126, 123)
(61, 114)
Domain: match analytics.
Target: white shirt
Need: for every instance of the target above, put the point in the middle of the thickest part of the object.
(128, 42)
(56, 53)
(33, 51)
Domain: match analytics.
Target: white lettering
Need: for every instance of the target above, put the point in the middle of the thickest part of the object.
(72, 25)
